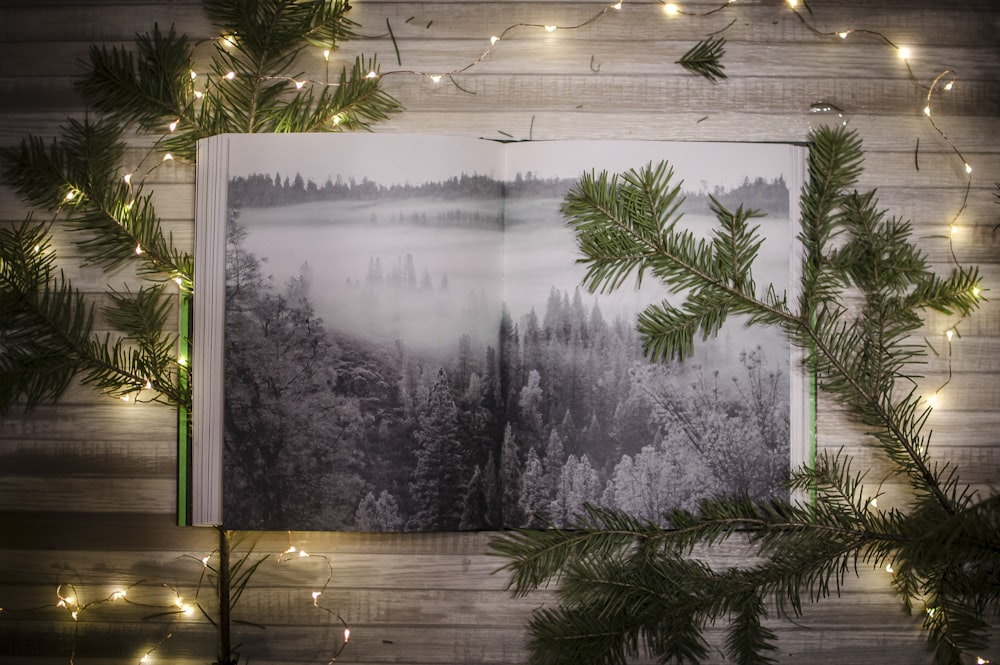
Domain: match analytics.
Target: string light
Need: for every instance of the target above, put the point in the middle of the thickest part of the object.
(172, 126)
(888, 568)
(436, 78)
(670, 9)
(168, 157)
(127, 178)
(904, 52)
(550, 28)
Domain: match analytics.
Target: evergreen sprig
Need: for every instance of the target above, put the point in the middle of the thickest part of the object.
(251, 85)
(705, 59)
(627, 586)
(47, 330)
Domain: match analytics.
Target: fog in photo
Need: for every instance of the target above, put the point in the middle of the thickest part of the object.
(408, 346)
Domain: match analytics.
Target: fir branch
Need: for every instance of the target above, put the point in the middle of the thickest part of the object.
(704, 59)
(945, 546)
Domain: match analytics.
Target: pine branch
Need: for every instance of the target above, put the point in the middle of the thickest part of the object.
(945, 547)
(704, 59)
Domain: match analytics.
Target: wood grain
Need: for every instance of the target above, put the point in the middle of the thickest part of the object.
(87, 486)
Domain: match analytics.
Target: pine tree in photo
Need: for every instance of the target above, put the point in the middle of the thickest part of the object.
(628, 586)
(438, 486)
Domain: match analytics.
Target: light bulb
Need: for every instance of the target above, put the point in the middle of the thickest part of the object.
(793, 3)
(347, 635)
(888, 567)
(167, 157)
(932, 400)
(843, 34)
(617, 5)
(138, 250)
(976, 291)
(550, 28)
(905, 52)
(949, 334)
(303, 553)
(299, 84)
(493, 40)
(927, 111)
(436, 78)
(124, 398)
(670, 9)
(197, 94)
(954, 229)
(874, 503)
(127, 178)
(968, 168)
(371, 75)
(948, 86)
(326, 54)
(230, 75)
(172, 126)
(194, 74)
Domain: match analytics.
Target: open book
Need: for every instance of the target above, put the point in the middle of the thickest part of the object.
(390, 335)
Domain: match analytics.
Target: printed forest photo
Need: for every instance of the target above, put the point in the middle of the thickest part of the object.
(408, 347)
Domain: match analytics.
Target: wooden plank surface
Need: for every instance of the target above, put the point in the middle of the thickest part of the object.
(86, 485)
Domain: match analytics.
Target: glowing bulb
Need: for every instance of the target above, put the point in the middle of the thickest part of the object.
(144, 659)
(371, 75)
(347, 635)
(336, 119)
(932, 400)
(299, 84)
(550, 28)
(976, 291)
(124, 398)
(127, 178)
(178, 280)
(303, 553)
(670, 9)
(182, 361)
(74, 614)
(981, 661)
(172, 126)
(948, 86)
(197, 94)
(229, 40)
(905, 52)
(38, 248)
(436, 78)
(70, 195)
(843, 34)
(230, 75)
(187, 609)
(949, 334)
(290, 550)
(326, 54)
(617, 5)
(179, 602)
(148, 385)
(138, 250)
(873, 503)
(888, 567)
(316, 594)
(493, 40)
(954, 231)
(193, 74)
(793, 3)
(927, 111)
(204, 559)
(167, 157)
(968, 168)
(118, 595)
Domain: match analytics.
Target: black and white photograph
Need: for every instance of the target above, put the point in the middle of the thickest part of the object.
(408, 346)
